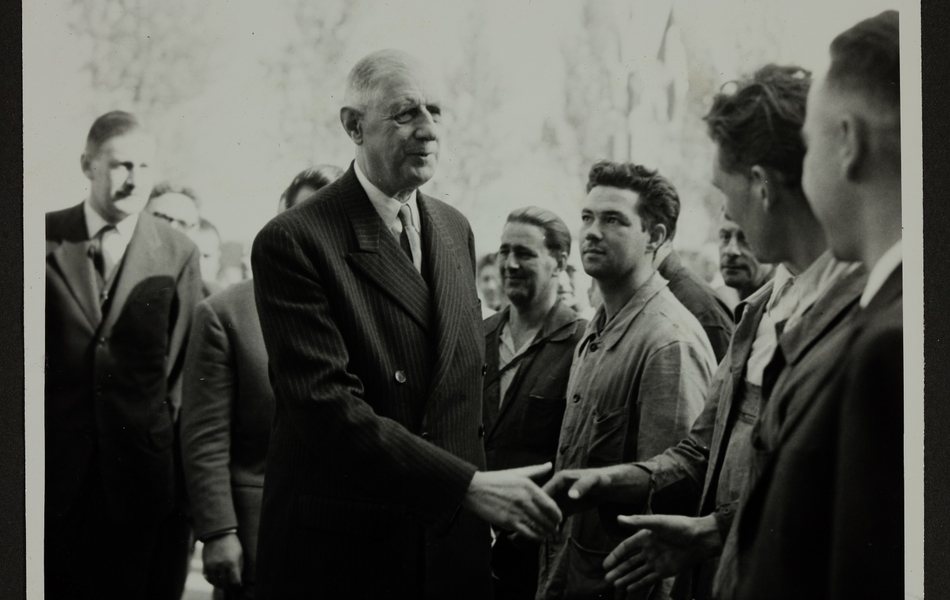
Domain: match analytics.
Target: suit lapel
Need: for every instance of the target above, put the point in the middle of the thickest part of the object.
(380, 258)
(71, 259)
(138, 261)
(446, 286)
(826, 315)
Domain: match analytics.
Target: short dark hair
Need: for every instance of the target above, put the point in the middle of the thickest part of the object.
(867, 58)
(108, 126)
(557, 237)
(659, 204)
(169, 187)
(315, 177)
(760, 122)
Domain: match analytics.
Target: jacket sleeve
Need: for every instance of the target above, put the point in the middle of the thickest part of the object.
(209, 391)
(684, 465)
(188, 292)
(324, 401)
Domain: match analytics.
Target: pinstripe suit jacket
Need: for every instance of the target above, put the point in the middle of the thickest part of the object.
(377, 374)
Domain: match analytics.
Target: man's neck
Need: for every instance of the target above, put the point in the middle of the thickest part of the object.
(661, 253)
(806, 240)
(881, 228)
(111, 219)
(400, 195)
(531, 316)
(618, 292)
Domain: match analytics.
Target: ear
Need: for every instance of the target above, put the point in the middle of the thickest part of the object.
(853, 135)
(352, 124)
(761, 187)
(657, 237)
(85, 163)
(561, 259)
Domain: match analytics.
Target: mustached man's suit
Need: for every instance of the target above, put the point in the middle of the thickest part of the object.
(114, 527)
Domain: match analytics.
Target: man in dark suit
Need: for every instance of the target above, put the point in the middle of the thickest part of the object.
(226, 413)
(366, 294)
(529, 346)
(825, 519)
(120, 290)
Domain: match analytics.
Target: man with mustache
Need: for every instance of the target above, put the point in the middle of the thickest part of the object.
(740, 269)
(528, 347)
(121, 287)
(375, 482)
(640, 371)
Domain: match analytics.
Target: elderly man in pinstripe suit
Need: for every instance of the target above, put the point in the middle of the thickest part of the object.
(366, 294)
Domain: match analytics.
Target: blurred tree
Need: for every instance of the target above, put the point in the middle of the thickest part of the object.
(144, 56)
(310, 74)
(476, 148)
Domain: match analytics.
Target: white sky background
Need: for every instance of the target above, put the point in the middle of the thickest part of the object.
(231, 124)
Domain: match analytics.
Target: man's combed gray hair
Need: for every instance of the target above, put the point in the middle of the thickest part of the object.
(364, 79)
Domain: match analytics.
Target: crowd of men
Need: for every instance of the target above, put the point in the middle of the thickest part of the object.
(346, 424)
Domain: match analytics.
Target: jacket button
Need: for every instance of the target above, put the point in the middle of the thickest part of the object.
(400, 377)
(102, 341)
(425, 435)
(481, 431)
(484, 369)
(594, 346)
(576, 398)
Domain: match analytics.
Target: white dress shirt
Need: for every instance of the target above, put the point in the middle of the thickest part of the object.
(116, 242)
(791, 298)
(885, 265)
(388, 208)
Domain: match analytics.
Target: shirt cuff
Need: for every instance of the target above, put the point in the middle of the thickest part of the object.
(217, 534)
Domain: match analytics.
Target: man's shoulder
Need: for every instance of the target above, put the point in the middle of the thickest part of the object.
(58, 222)
(175, 245)
(668, 320)
(444, 212)
(238, 297)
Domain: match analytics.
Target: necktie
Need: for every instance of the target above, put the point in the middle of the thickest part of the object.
(410, 235)
(100, 258)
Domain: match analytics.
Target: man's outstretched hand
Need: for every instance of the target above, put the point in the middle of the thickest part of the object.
(576, 490)
(512, 501)
(665, 545)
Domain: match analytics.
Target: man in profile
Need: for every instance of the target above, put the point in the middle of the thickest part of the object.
(529, 346)
(367, 301)
(121, 287)
(825, 519)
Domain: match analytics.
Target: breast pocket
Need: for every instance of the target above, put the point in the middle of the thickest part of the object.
(608, 435)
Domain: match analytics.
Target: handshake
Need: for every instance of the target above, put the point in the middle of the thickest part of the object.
(513, 500)
(661, 545)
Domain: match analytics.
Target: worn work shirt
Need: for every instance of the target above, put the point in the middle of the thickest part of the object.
(507, 352)
(636, 385)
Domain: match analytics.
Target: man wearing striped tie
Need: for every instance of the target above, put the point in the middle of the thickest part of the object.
(366, 292)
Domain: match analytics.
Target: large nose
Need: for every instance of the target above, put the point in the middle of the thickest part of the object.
(510, 262)
(590, 231)
(731, 248)
(428, 128)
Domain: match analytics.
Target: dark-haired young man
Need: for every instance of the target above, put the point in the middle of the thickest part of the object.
(640, 372)
(825, 519)
(529, 346)
(758, 167)
(120, 290)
